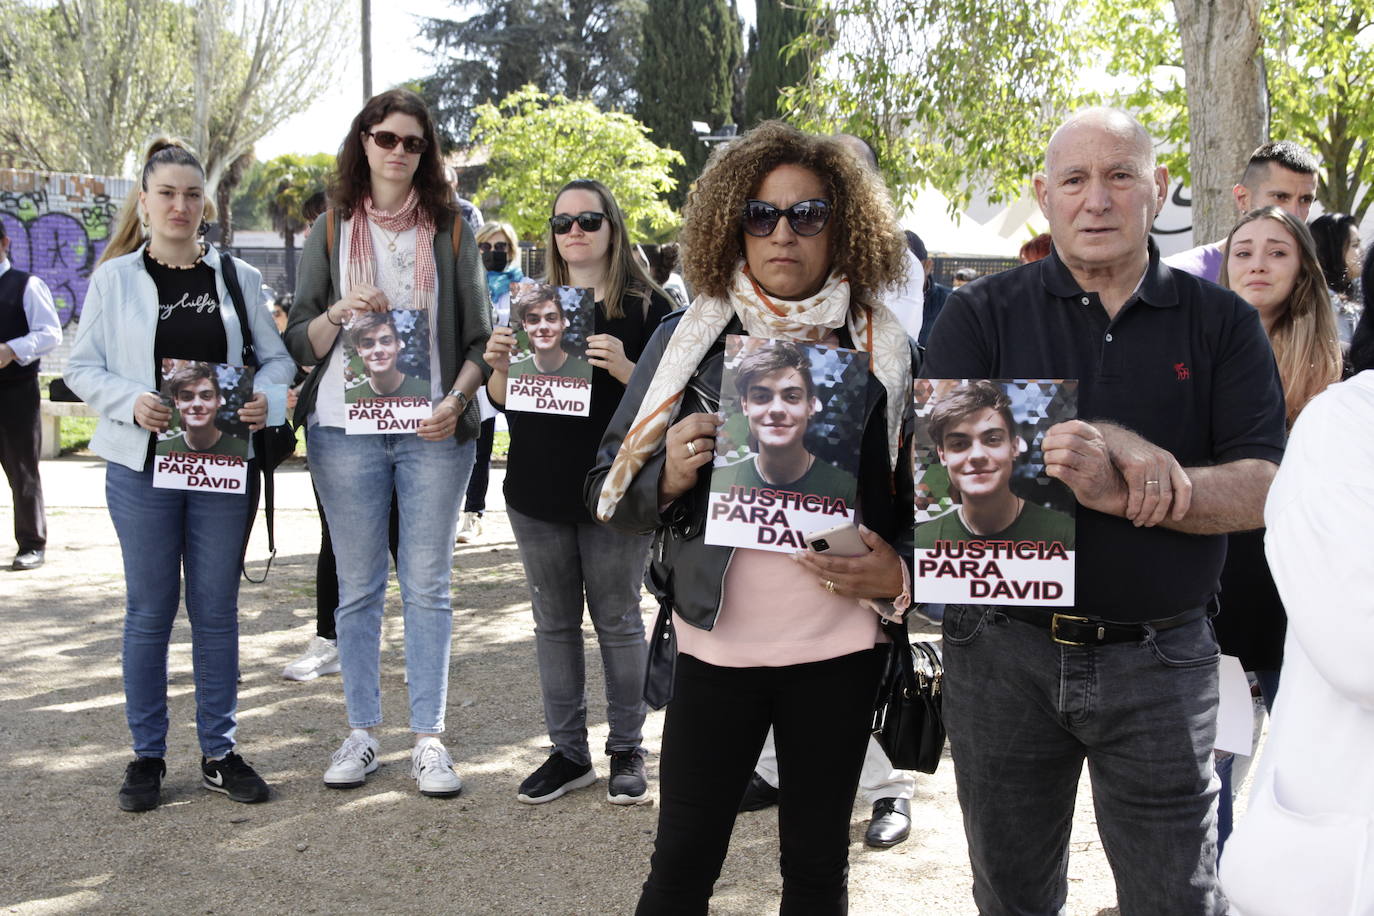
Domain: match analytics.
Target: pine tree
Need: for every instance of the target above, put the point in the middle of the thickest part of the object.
(778, 24)
(690, 51)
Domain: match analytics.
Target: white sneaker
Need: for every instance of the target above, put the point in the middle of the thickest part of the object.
(471, 528)
(351, 763)
(321, 657)
(432, 769)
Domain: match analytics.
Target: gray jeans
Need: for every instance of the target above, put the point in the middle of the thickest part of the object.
(562, 560)
(1024, 713)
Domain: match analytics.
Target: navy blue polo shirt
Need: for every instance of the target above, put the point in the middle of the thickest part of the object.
(1185, 364)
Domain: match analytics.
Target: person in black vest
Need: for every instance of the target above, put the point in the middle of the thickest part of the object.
(28, 329)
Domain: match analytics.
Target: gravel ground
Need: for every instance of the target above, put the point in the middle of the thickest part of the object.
(382, 848)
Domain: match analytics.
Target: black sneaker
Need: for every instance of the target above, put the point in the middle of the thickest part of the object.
(759, 794)
(142, 789)
(627, 785)
(234, 777)
(555, 778)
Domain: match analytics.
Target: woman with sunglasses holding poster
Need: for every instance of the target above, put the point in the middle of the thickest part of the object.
(787, 236)
(387, 243)
(160, 293)
(566, 554)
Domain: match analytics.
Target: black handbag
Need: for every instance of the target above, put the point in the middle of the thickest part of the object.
(661, 667)
(907, 721)
(272, 444)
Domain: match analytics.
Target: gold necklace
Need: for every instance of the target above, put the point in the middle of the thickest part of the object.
(390, 239)
(160, 263)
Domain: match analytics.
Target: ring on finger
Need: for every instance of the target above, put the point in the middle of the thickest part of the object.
(691, 449)
(830, 586)
(1155, 482)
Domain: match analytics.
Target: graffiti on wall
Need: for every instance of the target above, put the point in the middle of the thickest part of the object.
(58, 227)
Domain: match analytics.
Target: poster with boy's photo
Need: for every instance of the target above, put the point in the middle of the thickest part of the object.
(386, 371)
(549, 372)
(205, 447)
(787, 457)
(991, 527)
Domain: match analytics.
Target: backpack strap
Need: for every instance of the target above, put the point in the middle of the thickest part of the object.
(329, 233)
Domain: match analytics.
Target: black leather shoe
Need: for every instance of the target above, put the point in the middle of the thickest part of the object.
(891, 823)
(28, 559)
(758, 795)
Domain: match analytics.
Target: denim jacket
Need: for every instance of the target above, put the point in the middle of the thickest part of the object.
(112, 360)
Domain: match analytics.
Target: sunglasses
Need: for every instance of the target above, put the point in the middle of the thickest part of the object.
(488, 246)
(587, 220)
(807, 217)
(387, 140)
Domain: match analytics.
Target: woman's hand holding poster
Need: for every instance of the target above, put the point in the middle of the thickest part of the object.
(386, 371)
(788, 454)
(991, 527)
(206, 445)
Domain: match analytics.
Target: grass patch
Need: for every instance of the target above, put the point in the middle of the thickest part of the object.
(77, 433)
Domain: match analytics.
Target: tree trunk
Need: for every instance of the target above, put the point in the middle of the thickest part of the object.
(1228, 104)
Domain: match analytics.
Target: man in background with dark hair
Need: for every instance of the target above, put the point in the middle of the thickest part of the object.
(29, 327)
(1280, 174)
(934, 294)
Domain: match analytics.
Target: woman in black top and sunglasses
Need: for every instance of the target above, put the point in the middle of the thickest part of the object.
(564, 551)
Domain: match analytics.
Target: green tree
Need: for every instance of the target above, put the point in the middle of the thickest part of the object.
(686, 71)
(284, 184)
(961, 95)
(538, 143)
(778, 23)
(583, 49)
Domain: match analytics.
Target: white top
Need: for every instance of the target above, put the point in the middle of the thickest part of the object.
(908, 300)
(1306, 843)
(396, 278)
(45, 330)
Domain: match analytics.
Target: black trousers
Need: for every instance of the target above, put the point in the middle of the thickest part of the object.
(476, 500)
(21, 440)
(327, 571)
(712, 735)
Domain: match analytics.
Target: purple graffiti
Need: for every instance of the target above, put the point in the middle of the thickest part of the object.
(55, 248)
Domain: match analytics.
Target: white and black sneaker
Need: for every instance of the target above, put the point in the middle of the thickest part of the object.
(432, 769)
(555, 778)
(351, 763)
(232, 775)
(627, 785)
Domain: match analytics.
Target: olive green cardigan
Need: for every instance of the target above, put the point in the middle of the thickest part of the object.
(462, 322)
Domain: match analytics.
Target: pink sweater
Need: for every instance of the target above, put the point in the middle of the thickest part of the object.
(774, 613)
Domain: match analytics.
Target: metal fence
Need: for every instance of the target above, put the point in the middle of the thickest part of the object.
(943, 268)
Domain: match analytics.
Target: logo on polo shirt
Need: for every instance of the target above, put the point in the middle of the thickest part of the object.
(1181, 370)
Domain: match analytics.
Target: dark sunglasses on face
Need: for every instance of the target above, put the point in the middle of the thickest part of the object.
(488, 246)
(387, 140)
(807, 217)
(588, 220)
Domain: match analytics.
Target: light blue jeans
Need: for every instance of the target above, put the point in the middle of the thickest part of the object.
(160, 532)
(355, 476)
(562, 561)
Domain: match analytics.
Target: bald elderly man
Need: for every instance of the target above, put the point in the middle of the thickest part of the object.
(1180, 433)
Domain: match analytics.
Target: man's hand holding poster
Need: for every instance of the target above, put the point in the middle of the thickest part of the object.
(991, 527)
(549, 372)
(206, 445)
(788, 454)
(386, 371)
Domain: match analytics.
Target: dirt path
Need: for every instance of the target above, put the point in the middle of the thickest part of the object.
(382, 848)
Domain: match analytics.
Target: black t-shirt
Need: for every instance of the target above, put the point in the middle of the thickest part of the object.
(1185, 364)
(550, 454)
(189, 325)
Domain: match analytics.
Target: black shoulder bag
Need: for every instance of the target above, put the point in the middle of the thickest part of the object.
(271, 445)
(908, 722)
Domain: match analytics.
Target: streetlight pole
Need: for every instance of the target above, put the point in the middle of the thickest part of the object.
(367, 50)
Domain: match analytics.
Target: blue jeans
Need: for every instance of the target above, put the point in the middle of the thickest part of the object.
(355, 477)
(160, 532)
(562, 560)
(1024, 713)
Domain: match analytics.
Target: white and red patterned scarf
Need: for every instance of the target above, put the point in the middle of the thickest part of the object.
(874, 329)
(362, 259)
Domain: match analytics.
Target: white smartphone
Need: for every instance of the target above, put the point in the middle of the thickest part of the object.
(841, 541)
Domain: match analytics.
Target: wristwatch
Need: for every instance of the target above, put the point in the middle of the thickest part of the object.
(463, 400)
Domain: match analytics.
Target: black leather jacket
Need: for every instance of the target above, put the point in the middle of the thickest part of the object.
(685, 571)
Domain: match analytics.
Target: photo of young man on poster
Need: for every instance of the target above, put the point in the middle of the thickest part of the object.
(195, 394)
(539, 310)
(373, 336)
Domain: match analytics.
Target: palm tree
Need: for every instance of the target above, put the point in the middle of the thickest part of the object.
(287, 182)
